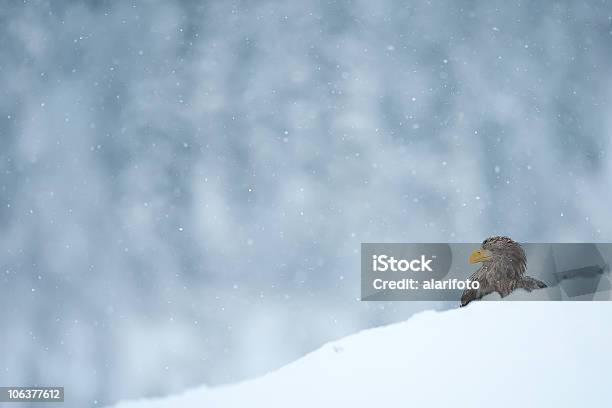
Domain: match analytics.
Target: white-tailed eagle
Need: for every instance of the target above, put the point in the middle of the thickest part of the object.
(503, 269)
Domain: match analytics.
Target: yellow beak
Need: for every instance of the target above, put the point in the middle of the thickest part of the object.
(480, 255)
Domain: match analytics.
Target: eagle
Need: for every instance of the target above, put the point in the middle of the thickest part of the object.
(503, 269)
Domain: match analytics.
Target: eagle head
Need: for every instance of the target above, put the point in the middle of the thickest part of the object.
(503, 254)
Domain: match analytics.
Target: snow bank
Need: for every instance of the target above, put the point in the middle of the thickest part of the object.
(505, 354)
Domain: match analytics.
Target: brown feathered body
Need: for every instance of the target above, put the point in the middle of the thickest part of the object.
(503, 272)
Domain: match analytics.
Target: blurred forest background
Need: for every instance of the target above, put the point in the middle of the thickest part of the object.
(184, 186)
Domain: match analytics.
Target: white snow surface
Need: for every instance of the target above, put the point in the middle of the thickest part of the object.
(489, 354)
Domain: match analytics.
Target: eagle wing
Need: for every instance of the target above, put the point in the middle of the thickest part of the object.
(475, 294)
(530, 284)
(469, 295)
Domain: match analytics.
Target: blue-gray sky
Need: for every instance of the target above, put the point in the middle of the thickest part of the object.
(184, 186)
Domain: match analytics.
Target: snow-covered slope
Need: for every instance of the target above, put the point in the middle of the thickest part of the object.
(497, 354)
